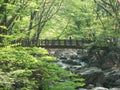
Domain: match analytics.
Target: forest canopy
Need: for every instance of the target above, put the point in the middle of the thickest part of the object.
(45, 19)
(94, 20)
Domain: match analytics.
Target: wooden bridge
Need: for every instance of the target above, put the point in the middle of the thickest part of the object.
(55, 43)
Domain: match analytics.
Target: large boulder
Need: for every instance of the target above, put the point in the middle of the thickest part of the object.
(112, 79)
(72, 62)
(66, 53)
(104, 57)
(99, 88)
(114, 89)
(92, 75)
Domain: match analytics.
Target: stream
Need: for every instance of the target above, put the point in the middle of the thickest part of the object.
(68, 58)
(75, 64)
(96, 78)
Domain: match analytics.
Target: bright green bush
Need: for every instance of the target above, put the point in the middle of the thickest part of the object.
(48, 58)
(25, 68)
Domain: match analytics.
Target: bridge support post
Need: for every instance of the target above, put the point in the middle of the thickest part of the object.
(65, 43)
(59, 42)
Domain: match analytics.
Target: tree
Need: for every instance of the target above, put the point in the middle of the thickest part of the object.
(108, 13)
(45, 11)
(81, 19)
(11, 14)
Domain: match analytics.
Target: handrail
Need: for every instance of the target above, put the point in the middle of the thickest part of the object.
(53, 43)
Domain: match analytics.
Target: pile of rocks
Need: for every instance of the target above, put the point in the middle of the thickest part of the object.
(97, 76)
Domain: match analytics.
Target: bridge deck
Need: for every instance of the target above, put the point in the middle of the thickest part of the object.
(55, 43)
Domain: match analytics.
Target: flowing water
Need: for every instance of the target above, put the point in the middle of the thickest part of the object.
(72, 67)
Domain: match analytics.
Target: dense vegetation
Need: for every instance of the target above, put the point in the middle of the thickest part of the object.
(30, 69)
(25, 68)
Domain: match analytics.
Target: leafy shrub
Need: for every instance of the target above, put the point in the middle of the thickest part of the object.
(48, 58)
(21, 69)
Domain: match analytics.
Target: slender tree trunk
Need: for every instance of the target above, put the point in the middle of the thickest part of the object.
(3, 19)
(32, 16)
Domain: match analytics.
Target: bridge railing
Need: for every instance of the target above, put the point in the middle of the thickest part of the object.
(53, 43)
(59, 42)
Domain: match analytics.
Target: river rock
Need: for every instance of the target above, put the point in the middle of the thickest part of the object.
(90, 86)
(97, 72)
(81, 89)
(112, 79)
(92, 75)
(99, 88)
(72, 62)
(114, 89)
(66, 53)
(63, 58)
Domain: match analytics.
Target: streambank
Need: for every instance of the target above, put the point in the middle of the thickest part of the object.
(96, 78)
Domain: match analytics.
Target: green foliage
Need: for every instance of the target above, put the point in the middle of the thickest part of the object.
(82, 18)
(3, 27)
(34, 50)
(19, 67)
(33, 68)
(25, 68)
(5, 80)
(58, 79)
(48, 58)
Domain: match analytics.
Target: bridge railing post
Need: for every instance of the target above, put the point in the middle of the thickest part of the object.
(59, 42)
(31, 42)
(22, 42)
(48, 43)
(41, 42)
(77, 43)
(65, 43)
(26, 42)
(53, 43)
(45, 42)
(38, 43)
